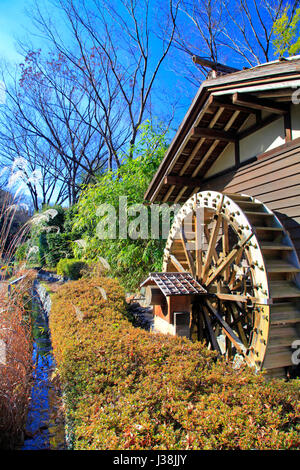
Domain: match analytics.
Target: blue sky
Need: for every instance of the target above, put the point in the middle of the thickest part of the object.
(12, 22)
(15, 23)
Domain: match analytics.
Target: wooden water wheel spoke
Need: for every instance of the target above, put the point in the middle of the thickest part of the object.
(187, 252)
(227, 261)
(238, 319)
(210, 330)
(225, 246)
(213, 238)
(232, 297)
(228, 330)
(232, 276)
(177, 264)
(198, 246)
(229, 349)
(243, 315)
(249, 279)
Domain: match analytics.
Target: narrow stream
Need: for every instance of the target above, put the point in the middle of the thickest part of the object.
(45, 426)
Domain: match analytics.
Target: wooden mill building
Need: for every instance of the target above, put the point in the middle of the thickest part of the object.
(236, 157)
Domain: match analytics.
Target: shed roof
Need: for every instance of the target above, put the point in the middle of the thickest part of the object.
(175, 283)
(218, 116)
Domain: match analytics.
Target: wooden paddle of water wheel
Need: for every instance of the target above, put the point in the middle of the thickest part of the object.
(241, 254)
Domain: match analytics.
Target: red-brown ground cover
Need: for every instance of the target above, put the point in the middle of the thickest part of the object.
(127, 388)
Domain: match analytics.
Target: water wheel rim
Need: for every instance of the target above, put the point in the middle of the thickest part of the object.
(227, 210)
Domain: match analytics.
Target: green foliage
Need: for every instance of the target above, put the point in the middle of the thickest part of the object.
(130, 260)
(49, 236)
(21, 252)
(126, 388)
(58, 246)
(286, 30)
(71, 268)
(43, 248)
(69, 216)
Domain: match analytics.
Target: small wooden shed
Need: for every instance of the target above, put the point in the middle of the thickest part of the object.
(236, 159)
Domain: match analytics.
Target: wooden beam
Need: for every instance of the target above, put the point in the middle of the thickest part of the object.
(225, 246)
(176, 263)
(228, 260)
(238, 318)
(182, 181)
(288, 127)
(212, 335)
(252, 102)
(207, 237)
(212, 242)
(233, 297)
(187, 252)
(198, 241)
(237, 153)
(228, 331)
(213, 65)
(218, 101)
(213, 134)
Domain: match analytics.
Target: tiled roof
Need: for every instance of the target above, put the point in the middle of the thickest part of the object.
(175, 283)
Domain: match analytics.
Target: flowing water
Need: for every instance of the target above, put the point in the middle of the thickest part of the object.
(45, 426)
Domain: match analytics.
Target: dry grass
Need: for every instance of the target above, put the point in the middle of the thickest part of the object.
(13, 229)
(15, 328)
(16, 362)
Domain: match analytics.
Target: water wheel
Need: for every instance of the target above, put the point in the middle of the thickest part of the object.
(240, 252)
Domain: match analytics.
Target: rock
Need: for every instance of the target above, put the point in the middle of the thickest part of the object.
(143, 316)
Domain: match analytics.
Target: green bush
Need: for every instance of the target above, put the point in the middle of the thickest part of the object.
(43, 249)
(71, 268)
(21, 252)
(58, 246)
(49, 239)
(126, 388)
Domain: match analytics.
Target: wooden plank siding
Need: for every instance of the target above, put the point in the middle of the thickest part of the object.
(274, 179)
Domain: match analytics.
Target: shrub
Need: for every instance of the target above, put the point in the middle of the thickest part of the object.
(43, 248)
(127, 388)
(49, 242)
(71, 268)
(21, 252)
(15, 370)
(58, 246)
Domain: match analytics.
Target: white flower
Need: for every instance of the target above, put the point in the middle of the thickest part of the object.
(19, 163)
(44, 216)
(35, 177)
(139, 427)
(103, 292)
(33, 250)
(24, 206)
(81, 243)
(104, 263)
(78, 312)
(4, 170)
(16, 177)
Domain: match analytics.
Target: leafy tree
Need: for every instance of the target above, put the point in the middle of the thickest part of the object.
(286, 30)
(130, 260)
